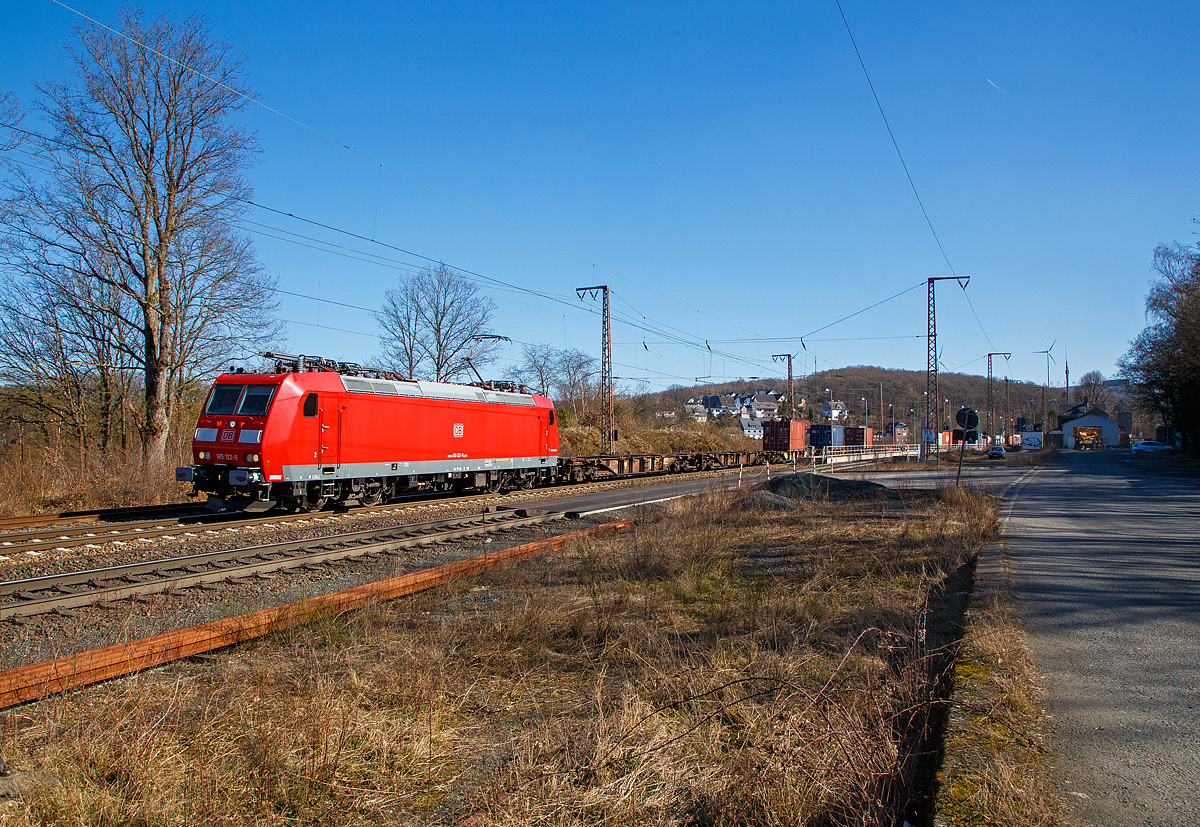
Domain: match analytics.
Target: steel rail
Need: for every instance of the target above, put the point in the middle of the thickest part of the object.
(62, 538)
(121, 582)
(16, 542)
(22, 521)
(28, 683)
(198, 509)
(92, 535)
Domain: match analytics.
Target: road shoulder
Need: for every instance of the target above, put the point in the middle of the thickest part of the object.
(995, 761)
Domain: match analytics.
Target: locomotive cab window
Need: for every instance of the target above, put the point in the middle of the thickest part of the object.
(310, 405)
(257, 400)
(224, 399)
(551, 417)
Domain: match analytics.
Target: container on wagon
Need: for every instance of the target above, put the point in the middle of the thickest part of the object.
(785, 435)
(825, 436)
(859, 436)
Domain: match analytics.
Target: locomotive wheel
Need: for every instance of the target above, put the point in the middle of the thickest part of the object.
(314, 500)
(372, 494)
(526, 482)
(494, 485)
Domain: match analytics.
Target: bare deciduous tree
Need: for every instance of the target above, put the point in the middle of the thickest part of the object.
(432, 321)
(576, 385)
(1092, 387)
(61, 350)
(142, 184)
(1163, 362)
(537, 368)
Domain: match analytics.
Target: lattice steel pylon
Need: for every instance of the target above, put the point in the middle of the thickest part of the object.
(791, 384)
(931, 371)
(607, 431)
(991, 408)
(931, 363)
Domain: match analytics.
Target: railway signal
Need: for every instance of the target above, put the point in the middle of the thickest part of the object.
(967, 420)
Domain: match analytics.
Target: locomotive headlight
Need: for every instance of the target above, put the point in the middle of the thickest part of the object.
(251, 457)
(204, 455)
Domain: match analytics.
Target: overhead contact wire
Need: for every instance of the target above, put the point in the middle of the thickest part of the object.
(892, 135)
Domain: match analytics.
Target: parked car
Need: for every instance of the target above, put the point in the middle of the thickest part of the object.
(996, 451)
(1149, 446)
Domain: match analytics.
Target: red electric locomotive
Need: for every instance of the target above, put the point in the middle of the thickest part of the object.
(314, 431)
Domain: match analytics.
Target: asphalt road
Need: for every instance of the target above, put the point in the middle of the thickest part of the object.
(994, 478)
(990, 478)
(1104, 554)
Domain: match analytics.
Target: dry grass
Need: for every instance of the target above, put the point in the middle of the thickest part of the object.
(997, 774)
(46, 481)
(716, 666)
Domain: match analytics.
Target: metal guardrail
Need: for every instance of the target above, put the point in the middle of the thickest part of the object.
(843, 455)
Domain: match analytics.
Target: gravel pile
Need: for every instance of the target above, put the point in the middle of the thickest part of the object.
(815, 486)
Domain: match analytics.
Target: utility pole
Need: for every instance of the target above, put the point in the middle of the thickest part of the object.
(991, 408)
(931, 364)
(1007, 413)
(607, 433)
(881, 412)
(791, 384)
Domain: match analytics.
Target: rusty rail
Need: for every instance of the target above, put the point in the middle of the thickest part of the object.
(28, 683)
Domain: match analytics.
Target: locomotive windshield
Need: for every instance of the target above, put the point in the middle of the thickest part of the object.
(224, 399)
(254, 399)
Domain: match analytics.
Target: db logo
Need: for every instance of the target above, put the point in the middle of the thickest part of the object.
(458, 429)
(227, 436)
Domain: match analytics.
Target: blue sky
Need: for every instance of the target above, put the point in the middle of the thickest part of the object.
(723, 167)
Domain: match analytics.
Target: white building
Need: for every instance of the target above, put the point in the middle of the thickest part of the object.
(752, 428)
(1095, 418)
(835, 411)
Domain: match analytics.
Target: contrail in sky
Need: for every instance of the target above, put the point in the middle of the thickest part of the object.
(998, 89)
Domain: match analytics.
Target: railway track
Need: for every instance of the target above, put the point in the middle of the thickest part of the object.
(182, 511)
(208, 524)
(72, 590)
(97, 514)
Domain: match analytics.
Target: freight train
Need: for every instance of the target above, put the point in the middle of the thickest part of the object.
(311, 431)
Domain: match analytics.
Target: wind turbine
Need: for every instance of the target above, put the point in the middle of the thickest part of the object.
(1046, 411)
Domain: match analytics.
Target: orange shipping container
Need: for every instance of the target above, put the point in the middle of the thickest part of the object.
(785, 435)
